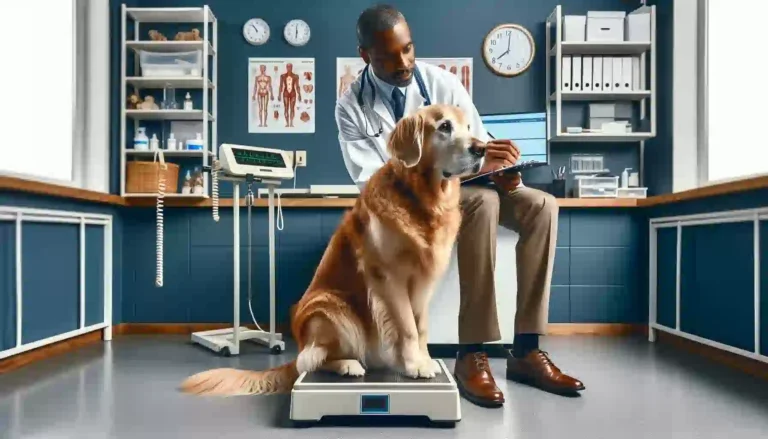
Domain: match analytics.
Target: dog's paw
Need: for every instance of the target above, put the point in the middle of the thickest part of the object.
(350, 368)
(420, 369)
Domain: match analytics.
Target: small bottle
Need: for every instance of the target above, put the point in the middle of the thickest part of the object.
(141, 141)
(187, 187)
(625, 177)
(154, 144)
(188, 103)
(171, 144)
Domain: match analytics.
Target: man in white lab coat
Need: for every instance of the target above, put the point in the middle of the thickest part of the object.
(402, 85)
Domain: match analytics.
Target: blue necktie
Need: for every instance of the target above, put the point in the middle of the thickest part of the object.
(398, 101)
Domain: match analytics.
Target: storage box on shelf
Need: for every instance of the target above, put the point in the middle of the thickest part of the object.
(611, 51)
(161, 64)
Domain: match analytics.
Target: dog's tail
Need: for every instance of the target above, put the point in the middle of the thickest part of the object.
(233, 382)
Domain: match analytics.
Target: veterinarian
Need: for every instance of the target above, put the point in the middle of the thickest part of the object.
(394, 85)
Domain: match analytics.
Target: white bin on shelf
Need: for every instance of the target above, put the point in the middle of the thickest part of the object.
(171, 64)
(605, 25)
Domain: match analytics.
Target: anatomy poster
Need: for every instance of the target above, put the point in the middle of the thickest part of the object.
(348, 69)
(281, 95)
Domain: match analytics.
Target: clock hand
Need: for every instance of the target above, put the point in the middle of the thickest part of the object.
(509, 41)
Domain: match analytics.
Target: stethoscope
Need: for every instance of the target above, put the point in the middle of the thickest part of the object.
(366, 77)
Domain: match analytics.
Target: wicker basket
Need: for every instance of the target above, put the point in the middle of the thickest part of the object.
(142, 178)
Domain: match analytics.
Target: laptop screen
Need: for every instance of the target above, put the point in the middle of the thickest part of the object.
(527, 130)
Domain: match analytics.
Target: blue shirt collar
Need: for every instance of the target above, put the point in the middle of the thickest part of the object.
(384, 87)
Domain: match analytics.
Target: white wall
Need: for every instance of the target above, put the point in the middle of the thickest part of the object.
(685, 167)
(95, 167)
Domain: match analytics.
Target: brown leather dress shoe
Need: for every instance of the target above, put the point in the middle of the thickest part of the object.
(475, 380)
(536, 369)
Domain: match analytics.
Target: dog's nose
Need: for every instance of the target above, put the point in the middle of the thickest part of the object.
(477, 148)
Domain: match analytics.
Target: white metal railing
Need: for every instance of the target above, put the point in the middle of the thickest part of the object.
(679, 222)
(21, 215)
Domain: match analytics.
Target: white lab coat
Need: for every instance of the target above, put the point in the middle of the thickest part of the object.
(364, 153)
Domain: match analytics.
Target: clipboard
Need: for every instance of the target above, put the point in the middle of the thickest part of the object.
(522, 166)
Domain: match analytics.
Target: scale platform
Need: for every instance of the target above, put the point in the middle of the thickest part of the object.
(320, 396)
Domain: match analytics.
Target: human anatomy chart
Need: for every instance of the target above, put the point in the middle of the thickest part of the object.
(348, 69)
(281, 95)
(461, 67)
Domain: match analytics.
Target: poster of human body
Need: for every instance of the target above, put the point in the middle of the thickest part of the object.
(348, 69)
(281, 95)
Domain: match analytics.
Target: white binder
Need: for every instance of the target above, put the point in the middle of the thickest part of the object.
(597, 73)
(636, 74)
(566, 74)
(576, 73)
(586, 73)
(616, 74)
(607, 73)
(626, 73)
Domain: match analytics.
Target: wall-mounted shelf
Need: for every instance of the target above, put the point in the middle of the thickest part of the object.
(555, 95)
(179, 153)
(601, 137)
(601, 96)
(601, 48)
(171, 46)
(183, 82)
(169, 115)
(171, 15)
(131, 81)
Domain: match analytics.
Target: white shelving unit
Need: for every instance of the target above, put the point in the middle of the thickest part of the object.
(198, 17)
(557, 48)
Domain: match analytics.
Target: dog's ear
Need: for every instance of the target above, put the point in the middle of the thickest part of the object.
(406, 140)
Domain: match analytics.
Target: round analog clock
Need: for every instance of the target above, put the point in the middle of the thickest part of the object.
(296, 32)
(256, 31)
(508, 50)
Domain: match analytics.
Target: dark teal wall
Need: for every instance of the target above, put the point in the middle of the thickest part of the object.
(595, 277)
(440, 28)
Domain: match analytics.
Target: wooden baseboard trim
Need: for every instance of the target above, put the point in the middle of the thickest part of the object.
(180, 328)
(611, 329)
(553, 329)
(49, 351)
(735, 361)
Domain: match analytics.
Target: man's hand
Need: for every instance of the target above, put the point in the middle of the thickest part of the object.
(499, 154)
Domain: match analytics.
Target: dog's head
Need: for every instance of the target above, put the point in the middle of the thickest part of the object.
(437, 138)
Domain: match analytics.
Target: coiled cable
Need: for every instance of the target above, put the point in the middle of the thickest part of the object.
(215, 166)
(160, 217)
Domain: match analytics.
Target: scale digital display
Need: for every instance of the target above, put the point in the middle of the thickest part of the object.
(374, 404)
(258, 158)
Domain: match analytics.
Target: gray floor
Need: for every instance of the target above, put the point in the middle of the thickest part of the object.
(127, 389)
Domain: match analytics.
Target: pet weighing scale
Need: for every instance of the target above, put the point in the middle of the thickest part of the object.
(319, 396)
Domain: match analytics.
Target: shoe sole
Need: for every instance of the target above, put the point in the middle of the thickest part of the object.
(522, 379)
(474, 399)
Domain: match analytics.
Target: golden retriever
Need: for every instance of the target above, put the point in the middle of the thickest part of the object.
(368, 302)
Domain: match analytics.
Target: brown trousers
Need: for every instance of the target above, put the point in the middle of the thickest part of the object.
(533, 215)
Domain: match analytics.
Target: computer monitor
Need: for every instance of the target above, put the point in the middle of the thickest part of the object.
(527, 130)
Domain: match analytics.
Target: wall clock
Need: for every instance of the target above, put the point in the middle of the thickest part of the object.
(296, 32)
(508, 50)
(256, 31)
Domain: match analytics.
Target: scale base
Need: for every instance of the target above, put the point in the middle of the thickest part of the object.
(320, 396)
(222, 340)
